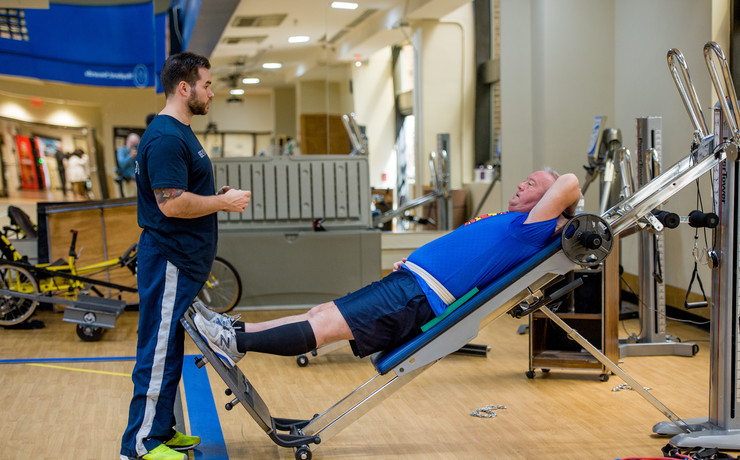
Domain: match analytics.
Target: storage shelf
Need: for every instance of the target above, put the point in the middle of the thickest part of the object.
(587, 311)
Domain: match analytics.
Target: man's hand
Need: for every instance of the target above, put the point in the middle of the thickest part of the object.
(397, 265)
(234, 200)
(185, 205)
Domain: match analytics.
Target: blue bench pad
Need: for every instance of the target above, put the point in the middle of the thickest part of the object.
(387, 360)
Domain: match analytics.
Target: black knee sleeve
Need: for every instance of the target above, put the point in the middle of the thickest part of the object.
(287, 340)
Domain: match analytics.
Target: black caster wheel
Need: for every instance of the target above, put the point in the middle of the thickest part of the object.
(302, 360)
(89, 333)
(529, 374)
(228, 391)
(303, 453)
(694, 350)
(228, 406)
(545, 371)
(604, 377)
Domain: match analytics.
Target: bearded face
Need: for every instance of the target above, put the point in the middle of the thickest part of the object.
(196, 105)
(201, 94)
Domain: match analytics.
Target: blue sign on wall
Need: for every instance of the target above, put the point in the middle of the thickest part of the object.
(120, 45)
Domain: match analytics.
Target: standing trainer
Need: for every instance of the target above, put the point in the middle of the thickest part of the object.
(176, 206)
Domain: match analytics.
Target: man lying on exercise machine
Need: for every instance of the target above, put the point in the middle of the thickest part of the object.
(391, 311)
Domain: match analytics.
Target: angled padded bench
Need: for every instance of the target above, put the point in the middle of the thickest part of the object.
(386, 360)
(395, 367)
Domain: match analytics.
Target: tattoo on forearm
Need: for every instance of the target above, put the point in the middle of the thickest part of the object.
(166, 194)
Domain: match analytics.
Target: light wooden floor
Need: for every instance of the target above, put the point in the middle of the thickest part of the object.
(78, 409)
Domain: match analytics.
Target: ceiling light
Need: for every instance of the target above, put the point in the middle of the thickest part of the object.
(344, 5)
(271, 65)
(298, 39)
(236, 92)
(250, 81)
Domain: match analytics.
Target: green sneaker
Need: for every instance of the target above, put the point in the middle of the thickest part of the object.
(162, 452)
(182, 442)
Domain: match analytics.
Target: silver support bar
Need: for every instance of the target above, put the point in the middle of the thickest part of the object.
(358, 403)
(356, 145)
(625, 168)
(362, 139)
(686, 89)
(609, 364)
(627, 212)
(608, 180)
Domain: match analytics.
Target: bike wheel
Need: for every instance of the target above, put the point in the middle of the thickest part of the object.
(15, 309)
(223, 289)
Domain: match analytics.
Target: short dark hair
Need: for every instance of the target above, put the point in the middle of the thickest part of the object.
(182, 67)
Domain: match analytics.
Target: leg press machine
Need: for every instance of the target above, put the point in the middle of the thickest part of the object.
(586, 241)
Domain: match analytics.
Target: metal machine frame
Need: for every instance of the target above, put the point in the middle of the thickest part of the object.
(721, 428)
(455, 331)
(523, 287)
(653, 339)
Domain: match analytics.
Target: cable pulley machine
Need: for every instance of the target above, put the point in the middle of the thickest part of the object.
(721, 428)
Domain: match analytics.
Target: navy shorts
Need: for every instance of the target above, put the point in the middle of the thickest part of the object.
(386, 313)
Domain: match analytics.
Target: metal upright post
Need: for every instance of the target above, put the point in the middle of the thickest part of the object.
(651, 297)
(444, 202)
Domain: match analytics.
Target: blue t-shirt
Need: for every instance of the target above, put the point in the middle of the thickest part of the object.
(125, 162)
(170, 156)
(479, 252)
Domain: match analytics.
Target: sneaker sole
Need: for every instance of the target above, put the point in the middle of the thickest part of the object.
(184, 448)
(217, 351)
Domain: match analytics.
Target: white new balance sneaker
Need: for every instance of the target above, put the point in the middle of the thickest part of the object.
(223, 320)
(222, 340)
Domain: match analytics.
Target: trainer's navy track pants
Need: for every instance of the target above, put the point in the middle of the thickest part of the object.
(164, 295)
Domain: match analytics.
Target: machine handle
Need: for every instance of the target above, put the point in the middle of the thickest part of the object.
(732, 116)
(356, 146)
(698, 219)
(690, 305)
(625, 168)
(667, 218)
(677, 63)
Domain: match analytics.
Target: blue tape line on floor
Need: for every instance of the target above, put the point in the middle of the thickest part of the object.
(202, 412)
(65, 360)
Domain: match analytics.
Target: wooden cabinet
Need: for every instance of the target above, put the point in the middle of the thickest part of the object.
(592, 310)
(323, 134)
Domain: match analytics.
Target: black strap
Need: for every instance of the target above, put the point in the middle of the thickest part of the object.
(695, 275)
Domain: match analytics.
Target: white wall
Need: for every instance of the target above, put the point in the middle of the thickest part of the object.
(557, 69)
(254, 113)
(374, 108)
(517, 80)
(565, 61)
(645, 88)
(444, 91)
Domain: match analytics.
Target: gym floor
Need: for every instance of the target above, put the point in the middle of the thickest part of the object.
(65, 398)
